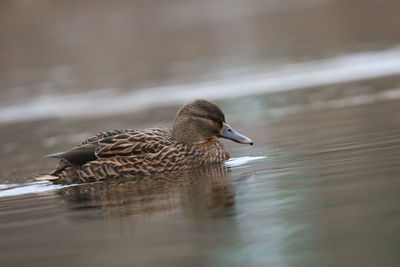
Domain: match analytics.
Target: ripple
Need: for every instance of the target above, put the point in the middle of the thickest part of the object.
(238, 162)
(12, 190)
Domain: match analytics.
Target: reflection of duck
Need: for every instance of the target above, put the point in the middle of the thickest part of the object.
(192, 142)
(204, 191)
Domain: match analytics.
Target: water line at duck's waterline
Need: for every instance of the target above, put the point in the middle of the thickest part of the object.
(11, 190)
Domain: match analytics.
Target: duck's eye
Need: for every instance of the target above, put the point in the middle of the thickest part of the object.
(202, 116)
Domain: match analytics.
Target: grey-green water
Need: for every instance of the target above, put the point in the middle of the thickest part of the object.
(321, 187)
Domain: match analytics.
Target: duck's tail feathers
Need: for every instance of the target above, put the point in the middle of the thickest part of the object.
(46, 177)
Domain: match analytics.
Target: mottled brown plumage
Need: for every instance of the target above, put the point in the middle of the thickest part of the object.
(192, 142)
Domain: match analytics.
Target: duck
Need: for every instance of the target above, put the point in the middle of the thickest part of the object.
(193, 141)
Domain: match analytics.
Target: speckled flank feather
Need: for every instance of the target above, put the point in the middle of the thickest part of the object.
(131, 153)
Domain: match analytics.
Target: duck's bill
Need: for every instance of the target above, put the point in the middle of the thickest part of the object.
(229, 133)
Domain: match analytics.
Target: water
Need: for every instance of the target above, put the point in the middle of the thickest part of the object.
(320, 188)
(314, 83)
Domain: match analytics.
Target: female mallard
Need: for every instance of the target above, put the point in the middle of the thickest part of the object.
(192, 142)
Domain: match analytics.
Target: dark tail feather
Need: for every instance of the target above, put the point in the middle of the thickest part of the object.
(78, 155)
(61, 165)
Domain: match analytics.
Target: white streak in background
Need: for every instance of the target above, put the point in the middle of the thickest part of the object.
(291, 77)
(30, 188)
(237, 162)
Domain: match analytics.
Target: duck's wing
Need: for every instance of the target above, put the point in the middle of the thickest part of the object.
(124, 144)
(134, 143)
(106, 134)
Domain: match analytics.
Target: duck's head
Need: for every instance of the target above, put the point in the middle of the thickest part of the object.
(200, 121)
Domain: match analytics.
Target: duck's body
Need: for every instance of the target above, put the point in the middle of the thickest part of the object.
(135, 152)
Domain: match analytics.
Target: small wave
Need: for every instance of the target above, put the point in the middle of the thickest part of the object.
(7, 186)
(29, 188)
(237, 162)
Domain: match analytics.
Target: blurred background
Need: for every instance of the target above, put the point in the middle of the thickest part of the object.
(315, 83)
(65, 58)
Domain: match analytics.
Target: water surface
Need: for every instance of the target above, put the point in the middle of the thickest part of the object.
(320, 188)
